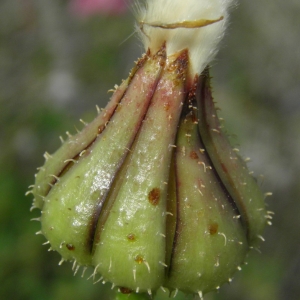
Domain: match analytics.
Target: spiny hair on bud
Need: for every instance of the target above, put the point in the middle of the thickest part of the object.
(47, 156)
(98, 109)
(70, 160)
(98, 280)
(83, 122)
(74, 265)
(268, 194)
(261, 237)
(28, 192)
(68, 134)
(76, 270)
(55, 177)
(175, 293)
(94, 272)
(83, 272)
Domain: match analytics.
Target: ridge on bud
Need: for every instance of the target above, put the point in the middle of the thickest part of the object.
(150, 193)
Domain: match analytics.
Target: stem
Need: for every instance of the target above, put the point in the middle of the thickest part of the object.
(132, 296)
(158, 296)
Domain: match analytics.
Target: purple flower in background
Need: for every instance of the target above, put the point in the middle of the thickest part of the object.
(85, 8)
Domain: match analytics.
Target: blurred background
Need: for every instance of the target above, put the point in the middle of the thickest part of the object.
(59, 58)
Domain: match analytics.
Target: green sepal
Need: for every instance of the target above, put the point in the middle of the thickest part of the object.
(231, 168)
(210, 242)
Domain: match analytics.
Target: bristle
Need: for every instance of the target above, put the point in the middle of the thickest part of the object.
(163, 264)
(261, 238)
(74, 265)
(28, 193)
(76, 270)
(175, 293)
(83, 122)
(268, 194)
(83, 272)
(134, 274)
(110, 264)
(225, 239)
(55, 177)
(47, 156)
(70, 160)
(98, 109)
(68, 134)
(94, 273)
(98, 280)
(147, 265)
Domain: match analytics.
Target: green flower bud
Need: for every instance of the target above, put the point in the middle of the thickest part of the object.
(150, 193)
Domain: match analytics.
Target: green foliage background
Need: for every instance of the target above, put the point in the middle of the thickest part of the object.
(54, 69)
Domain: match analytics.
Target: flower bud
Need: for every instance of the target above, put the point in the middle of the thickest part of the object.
(151, 194)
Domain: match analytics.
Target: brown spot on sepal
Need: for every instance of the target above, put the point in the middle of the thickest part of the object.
(154, 196)
(139, 259)
(213, 228)
(125, 290)
(167, 106)
(131, 237)
(70, 247)
(193, 155)
(180, 64)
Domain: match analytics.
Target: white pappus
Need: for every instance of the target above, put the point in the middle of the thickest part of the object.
(197, 25)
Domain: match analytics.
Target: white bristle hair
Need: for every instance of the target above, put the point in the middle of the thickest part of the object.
(202, 42)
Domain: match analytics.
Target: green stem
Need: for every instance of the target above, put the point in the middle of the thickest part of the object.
(132, 296)
(158, 296)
